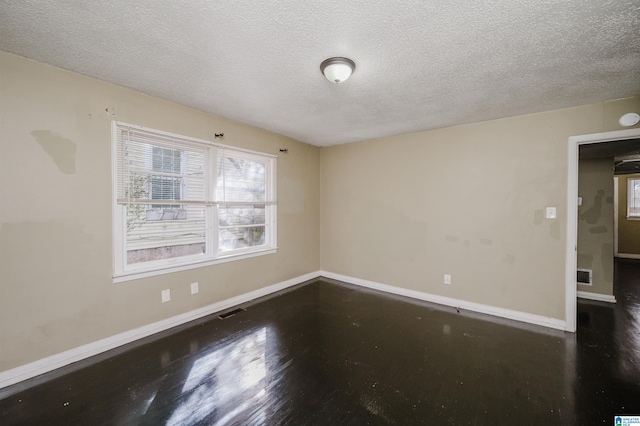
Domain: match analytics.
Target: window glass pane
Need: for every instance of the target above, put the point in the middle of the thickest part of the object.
(244, 215)
(633, 202)
(166, 160)
(137, 186)
(164, 233)
(159, 173)
(166, 188)
(234, 238)
(241, 180)
(237, 226)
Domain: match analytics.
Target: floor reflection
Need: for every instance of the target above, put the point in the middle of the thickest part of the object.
(330, 353)
(227, 382)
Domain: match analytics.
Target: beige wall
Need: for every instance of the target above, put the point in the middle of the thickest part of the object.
(467, 201)
(55, 235)
(595, 223)
(628, 230)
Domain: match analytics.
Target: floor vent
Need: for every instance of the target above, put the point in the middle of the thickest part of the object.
(230, 313)
(584, 276)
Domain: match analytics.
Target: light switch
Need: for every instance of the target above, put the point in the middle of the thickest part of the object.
(579, 201)
(551, 212)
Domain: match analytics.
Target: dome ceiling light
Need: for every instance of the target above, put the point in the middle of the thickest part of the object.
(337, 70)
(628, 120)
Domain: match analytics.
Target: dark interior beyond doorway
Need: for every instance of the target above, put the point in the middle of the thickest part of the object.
(328, 353)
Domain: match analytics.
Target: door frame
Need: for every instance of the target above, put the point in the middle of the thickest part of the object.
(571, 310)
(616, 201)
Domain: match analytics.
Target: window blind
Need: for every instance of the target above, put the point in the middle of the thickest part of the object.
(164, 183)
(179, 168)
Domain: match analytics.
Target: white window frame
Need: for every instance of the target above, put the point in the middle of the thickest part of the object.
(631, 204)
(270, 204)
(123, 272)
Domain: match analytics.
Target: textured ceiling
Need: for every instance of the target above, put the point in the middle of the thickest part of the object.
(421, 64)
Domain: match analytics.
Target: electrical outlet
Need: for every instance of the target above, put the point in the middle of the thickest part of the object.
(447, 279)
(194, 287)
(166, 295)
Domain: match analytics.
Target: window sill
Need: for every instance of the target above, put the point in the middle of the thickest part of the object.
(633, 217)
(134, 275)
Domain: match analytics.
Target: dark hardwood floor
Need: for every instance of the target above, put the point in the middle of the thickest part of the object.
(327, 353)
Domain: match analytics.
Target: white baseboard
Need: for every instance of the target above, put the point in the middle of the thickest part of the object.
(596, 296)
(65, 358)
(628, 256)
(448, 301)
(62, 359)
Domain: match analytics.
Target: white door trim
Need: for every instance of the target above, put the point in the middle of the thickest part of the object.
(616, 201)
(572, 213)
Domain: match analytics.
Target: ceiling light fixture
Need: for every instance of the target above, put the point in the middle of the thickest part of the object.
(337, 70)
(629, 119)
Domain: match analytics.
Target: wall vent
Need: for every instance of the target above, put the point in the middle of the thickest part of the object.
(231, 313)
(584, 276)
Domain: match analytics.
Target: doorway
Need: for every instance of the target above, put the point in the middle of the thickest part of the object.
(627, 207)
(574, 142)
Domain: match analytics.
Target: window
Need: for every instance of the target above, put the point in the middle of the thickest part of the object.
(180, 201)
(243, 201)
(633, 199)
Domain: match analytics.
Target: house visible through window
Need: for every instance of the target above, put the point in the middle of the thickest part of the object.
(633, 198)
(182, 201)
(167, 184)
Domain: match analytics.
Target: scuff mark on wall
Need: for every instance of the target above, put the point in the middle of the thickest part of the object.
(451, 238)
(538, 217)
(61, 150)
(592, 215)
(47, 304)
